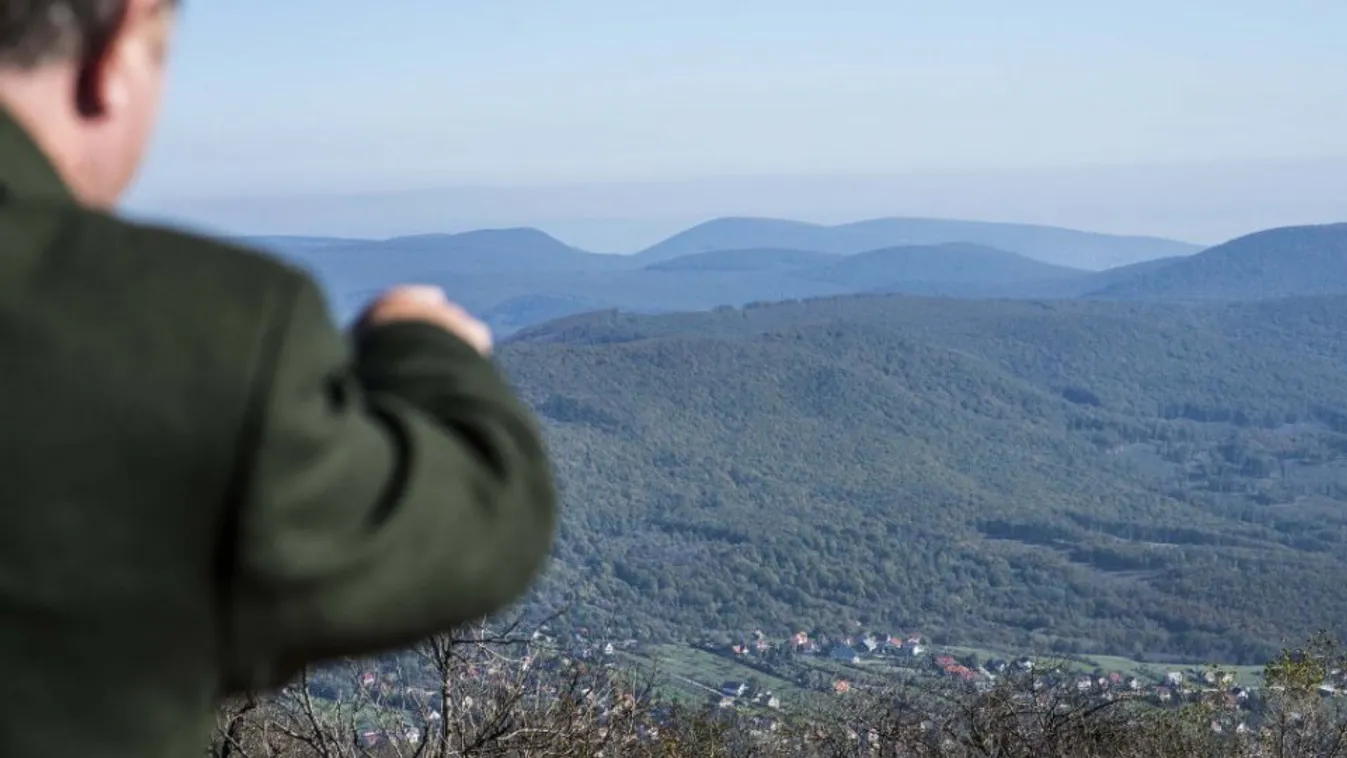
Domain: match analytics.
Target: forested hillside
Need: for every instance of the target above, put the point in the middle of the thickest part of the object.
(1145, 479)
(1295, 260)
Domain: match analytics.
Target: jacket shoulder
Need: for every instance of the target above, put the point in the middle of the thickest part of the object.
(187, 272)
(182, 292)
(185, 253)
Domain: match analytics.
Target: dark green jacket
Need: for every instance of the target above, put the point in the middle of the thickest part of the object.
(206, 485)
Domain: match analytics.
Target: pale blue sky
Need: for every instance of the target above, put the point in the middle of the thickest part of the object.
(346, 96)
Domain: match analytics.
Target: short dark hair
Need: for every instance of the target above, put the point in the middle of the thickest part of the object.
(36, 32)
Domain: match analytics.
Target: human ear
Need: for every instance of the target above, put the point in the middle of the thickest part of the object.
(98, 88)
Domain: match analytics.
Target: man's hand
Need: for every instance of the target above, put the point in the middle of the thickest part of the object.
(428, 304)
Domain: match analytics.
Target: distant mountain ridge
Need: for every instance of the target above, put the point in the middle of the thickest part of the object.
(520, 277)
(1055, 245)
(749, 259)
(1281, 262)
(947, 263)
(499, 250)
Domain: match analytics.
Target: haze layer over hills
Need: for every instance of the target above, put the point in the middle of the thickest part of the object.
(519, 277)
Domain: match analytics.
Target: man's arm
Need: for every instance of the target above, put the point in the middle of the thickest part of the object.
(396, 489)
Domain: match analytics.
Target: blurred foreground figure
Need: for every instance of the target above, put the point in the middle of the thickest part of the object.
(204, 483)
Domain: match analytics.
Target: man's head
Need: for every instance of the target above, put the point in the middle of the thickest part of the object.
(84, 77)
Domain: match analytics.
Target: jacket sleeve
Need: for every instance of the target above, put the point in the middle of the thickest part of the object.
(396, 488)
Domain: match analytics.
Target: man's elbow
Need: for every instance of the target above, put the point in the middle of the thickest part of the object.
(526, 533)
(537, 538)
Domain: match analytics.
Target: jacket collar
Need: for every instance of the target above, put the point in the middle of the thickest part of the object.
(25, 171)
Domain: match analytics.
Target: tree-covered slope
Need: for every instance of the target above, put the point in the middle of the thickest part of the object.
(1284, 262)
(1140, 479)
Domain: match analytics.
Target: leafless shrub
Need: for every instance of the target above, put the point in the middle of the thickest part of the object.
(479, 692)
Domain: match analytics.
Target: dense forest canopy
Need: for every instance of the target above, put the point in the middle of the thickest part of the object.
(1147, 479)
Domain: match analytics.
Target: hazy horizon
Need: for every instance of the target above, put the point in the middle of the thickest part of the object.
(1198, 203)
(611, 124)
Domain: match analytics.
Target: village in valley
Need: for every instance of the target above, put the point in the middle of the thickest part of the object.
(759, 673)
(763, 679)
